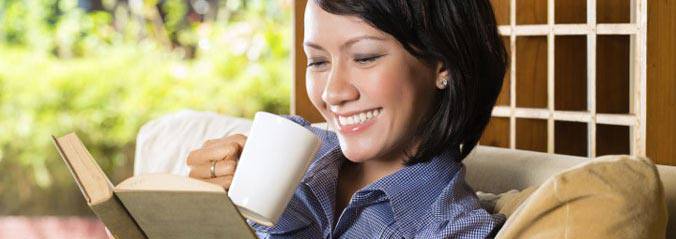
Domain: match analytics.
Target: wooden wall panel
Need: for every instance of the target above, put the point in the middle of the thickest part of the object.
(497, 133)
(563, 12)
(531, 72)
(497, 130)
(614, 11)
(501, 9)
(503, 97)
(300, 103)
(531, 134)
(661, 127)
(612, 139)
(531, 12)
(571, 138)
(612, 77)
(612, 74)
(570, 73)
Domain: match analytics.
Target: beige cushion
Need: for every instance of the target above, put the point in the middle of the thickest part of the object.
(504, 203)
(497, 170)
(609, 197)
(507, 203)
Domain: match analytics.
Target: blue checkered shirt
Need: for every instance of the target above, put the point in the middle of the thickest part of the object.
(425, 200)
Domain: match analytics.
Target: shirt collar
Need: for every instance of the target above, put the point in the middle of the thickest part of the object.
(410, 191)
(328, 161)
(321, 179)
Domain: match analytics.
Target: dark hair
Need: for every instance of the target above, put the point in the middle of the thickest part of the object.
(461, 34)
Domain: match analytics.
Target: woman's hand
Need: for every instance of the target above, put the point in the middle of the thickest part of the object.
(217, 160)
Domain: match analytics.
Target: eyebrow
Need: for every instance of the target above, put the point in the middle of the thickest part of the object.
(346, 44)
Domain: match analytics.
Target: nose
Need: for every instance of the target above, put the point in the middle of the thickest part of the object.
(338, 89)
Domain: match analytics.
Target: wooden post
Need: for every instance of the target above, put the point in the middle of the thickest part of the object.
(300, 103)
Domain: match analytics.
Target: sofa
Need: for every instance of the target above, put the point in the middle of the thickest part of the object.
(163, 144)
(499, 170)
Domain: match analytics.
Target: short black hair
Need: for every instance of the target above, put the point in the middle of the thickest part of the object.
(460, 34)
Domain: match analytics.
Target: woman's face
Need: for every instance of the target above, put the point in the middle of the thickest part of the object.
(366, 85)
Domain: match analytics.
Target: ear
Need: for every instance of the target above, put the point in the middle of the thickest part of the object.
(442, 74)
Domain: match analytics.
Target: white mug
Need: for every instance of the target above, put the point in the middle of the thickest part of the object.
(276, 155)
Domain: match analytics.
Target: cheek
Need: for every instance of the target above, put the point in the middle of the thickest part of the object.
(314, 87)
(405, 89)
(387, 85)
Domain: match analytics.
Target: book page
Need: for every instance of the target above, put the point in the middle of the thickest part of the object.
(94, 184)
(167, 182)
(96, 188)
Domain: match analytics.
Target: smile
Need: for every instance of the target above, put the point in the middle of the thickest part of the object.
(356, 121)
(358, 118)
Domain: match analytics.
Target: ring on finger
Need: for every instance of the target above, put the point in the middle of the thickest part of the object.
(212, 169)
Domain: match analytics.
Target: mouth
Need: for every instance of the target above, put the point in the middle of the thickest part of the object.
(357, 121)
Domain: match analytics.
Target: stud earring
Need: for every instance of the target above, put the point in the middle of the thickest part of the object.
(444, 83)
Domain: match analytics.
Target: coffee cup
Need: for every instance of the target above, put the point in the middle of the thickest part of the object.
(276, 155)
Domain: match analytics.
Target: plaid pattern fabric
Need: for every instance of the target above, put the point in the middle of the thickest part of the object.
(425, 200)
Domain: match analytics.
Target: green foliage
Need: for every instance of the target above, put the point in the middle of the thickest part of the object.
(63, 69)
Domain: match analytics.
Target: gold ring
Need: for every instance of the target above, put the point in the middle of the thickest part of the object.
(213, 169)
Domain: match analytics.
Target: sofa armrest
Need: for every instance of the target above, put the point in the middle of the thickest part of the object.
(498, 170)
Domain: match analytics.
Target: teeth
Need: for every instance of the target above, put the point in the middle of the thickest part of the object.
(358, 118)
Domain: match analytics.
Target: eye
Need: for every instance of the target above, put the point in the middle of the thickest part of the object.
(366, 60)
(316, 64)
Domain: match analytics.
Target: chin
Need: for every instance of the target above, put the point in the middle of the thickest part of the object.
(355, 154)
(355, 158)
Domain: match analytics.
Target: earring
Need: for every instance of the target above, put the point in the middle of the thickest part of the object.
(444, 83)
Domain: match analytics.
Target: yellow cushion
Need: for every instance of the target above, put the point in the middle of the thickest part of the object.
(609, 197)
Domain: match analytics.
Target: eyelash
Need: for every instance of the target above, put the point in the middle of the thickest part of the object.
(312, 64)
(359, 60)
(366, 59)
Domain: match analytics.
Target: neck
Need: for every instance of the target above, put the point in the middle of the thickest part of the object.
(370, 171)
(364, 173)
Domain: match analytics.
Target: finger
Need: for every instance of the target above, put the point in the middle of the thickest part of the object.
(223, 181)
(240, 139)
(205, 155)
(237, 138)
(211, 142)
(223, 168)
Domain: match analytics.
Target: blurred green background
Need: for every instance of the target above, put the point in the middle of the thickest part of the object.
(102, 68)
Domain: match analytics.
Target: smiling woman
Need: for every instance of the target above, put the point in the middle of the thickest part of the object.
(402, 81)
(408, 86)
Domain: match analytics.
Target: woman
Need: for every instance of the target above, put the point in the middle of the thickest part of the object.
(408, 87)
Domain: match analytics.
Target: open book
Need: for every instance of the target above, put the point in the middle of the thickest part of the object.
(153, 205)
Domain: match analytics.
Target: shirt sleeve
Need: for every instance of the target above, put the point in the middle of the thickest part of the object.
(460, 215)
(294, 221)
(473, 224)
